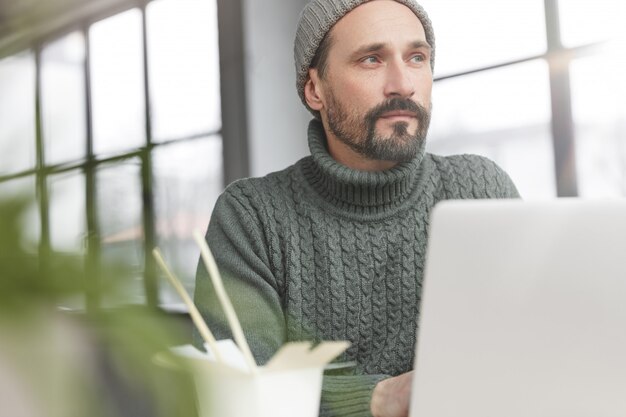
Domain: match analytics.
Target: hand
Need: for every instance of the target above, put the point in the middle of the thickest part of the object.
(391, 396)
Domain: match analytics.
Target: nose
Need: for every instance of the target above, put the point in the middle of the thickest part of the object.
(400, 82)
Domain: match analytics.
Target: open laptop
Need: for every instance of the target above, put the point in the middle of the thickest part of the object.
(523, 311)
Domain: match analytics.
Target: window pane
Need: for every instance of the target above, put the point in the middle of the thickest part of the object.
(63, 99)
(472, 34)
(68, 223)
(587, 21)
(598, 91)
(117, 83)
(188, 180)
(31, 221)
(503, 114)
(184, 70)
(119, 208)
(67, 212)
(17, 113)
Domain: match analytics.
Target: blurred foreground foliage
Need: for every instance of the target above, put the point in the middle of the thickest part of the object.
(56, 363)
(22, 283)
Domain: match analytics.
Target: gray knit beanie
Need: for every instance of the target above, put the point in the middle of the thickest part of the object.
(319, 16)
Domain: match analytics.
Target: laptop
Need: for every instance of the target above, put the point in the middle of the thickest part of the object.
(523, 311)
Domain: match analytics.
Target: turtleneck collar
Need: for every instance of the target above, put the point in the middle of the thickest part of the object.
(353, 189)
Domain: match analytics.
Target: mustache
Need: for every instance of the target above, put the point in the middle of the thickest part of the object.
(398, 103)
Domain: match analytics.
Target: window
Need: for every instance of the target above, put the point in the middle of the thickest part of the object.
(117, 83)
(114, 122)
(184, 187)
(63, 99)
(67, 212)
(119, 215)
(598, 91)
(481, 33)
(521, 83)
(182, 80)
(17, 112)
(586, 21)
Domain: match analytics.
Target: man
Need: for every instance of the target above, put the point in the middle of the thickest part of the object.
(333, 247)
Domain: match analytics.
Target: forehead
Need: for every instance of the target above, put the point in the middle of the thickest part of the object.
(379, 21)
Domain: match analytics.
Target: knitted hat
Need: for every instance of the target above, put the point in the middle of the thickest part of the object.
(319, 16)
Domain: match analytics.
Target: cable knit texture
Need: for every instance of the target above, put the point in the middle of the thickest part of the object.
(319, 251)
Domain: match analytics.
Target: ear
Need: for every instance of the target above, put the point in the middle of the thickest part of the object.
(313, 91)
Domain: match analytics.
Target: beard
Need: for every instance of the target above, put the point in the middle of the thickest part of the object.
(360, 133)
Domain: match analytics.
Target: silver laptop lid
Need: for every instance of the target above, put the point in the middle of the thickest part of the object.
(524, 311)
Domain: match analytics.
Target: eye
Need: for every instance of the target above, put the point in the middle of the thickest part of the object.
(418, 58)
(372, 59)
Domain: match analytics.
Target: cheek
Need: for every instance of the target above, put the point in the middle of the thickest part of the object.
(424, 92)
(361, 85)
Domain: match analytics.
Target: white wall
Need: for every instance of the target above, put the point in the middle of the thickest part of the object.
(277, 121)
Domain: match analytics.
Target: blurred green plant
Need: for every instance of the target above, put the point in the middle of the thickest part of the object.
(22, 284)
(65, 364)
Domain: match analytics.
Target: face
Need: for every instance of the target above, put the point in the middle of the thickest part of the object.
(375, 96)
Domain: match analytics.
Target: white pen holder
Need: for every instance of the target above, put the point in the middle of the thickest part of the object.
(288, 386)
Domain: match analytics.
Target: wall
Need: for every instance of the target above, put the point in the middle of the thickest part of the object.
(277, 121)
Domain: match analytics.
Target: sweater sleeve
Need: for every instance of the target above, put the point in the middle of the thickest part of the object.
(236, 241)
(235, 236)
(348, 396)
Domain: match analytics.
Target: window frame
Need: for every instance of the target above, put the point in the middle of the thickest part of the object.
(233, 133)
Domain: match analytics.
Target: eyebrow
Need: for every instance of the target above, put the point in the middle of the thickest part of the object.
(421, 44)
(375, 47)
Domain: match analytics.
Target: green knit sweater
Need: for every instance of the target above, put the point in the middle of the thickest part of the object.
(319, 251)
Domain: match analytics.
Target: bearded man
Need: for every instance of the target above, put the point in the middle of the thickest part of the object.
(333, 247)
